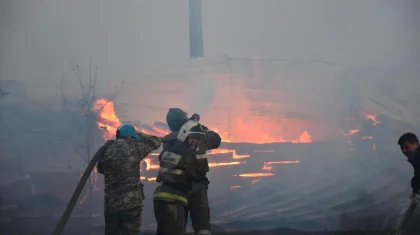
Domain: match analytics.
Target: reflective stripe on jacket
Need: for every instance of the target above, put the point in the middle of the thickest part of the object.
(169, 196)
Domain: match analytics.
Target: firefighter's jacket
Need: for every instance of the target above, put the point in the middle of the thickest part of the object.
(212, 140)
(178, 171)
(415, 161)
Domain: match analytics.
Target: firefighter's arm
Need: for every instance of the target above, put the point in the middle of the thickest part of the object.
(101, 152)
(415, 184)
(415, 181)
(152, 141)
(147, 145)
(213, 139)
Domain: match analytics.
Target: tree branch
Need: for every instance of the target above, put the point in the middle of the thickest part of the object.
(77, 72)
(115, 96)
(94, 83)
(90, 75)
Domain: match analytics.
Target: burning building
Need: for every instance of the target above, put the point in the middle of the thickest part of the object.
(298, 149)
(308, 158)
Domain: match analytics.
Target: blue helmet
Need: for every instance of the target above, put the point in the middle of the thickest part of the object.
(127, 130)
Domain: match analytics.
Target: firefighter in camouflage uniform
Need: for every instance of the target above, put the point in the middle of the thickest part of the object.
(178, 171)
(198, 203)
(120, 165)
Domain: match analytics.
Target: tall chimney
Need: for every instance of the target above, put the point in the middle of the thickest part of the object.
(196, 31)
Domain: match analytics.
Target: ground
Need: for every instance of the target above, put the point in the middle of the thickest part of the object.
(79, 226)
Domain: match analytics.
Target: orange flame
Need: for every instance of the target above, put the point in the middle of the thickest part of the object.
(372, 117)
(151, 179)
(366, 115)
(352, 132)
(148, 179)
(305, 137)
(281, 162)
(150, 165)
(235, 187)
(267, 166)
(255, 181)
(251, 175)
(108, 120)
(215, 164)
(234, 155)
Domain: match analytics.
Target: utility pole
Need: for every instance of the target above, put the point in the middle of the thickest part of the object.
(196, 29)
(230, 94)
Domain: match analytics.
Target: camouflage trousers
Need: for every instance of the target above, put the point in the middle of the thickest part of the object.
(126, 222)
(199, 210)
(169, 217)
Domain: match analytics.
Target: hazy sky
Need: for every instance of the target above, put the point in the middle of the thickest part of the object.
(38, 37)
(369, 39)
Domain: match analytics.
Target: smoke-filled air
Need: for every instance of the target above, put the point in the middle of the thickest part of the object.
(302, 109)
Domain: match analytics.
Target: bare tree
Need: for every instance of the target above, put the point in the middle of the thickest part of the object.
(84, 115)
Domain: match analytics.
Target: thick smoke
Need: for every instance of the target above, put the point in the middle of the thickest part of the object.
(201, 93)
(323, 68)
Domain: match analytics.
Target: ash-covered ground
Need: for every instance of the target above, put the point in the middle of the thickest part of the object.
(78, 226)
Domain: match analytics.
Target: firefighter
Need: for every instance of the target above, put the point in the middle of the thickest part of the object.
(198, 203)
(176, 118)
(177, 173)
(120, 165)
(409, 144)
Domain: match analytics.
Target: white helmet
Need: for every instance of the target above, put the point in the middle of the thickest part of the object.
(190, 128)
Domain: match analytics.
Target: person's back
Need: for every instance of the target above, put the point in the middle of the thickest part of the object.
(121, 162)
(120, 165)
(212, 140)
(198, 203)
(415, 162)
(177, 173)
(174, 178)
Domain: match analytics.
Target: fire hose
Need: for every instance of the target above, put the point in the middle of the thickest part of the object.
(70, 206)
(76, 194)
(407, 215)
